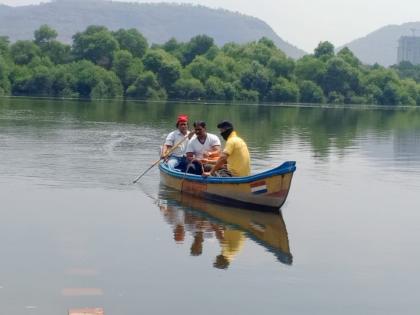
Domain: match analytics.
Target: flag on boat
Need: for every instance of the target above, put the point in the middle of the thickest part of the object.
(258, 187)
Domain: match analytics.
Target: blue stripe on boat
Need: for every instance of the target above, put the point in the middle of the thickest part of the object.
(286, 167)
(259, 192)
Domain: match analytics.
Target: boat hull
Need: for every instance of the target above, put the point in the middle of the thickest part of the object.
(266, 191)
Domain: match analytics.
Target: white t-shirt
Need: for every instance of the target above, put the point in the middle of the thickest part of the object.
(197, 148)
(174, 138)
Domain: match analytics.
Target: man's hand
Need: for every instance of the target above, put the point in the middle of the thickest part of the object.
(190, 157)
(206, 174)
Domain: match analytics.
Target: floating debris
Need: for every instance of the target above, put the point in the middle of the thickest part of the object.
(87, 311)
(81, 292)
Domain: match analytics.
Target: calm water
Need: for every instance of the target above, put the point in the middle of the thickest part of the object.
(74, 231)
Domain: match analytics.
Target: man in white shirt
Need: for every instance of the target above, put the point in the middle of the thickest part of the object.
(178, 136)
(205, 147)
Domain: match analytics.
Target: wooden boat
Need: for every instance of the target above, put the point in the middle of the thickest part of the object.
(266, 229)
(264, 191)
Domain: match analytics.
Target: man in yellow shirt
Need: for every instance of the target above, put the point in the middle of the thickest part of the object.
(235, 154)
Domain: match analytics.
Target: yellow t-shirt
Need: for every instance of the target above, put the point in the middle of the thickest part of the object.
(232, 243)
(238, 161)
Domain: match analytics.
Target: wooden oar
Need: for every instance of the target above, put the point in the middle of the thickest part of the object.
(163, 157)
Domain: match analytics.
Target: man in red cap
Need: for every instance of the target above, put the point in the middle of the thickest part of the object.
(178, 138)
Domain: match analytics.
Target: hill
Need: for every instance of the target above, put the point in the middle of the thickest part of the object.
(381, 46)
(157, 22)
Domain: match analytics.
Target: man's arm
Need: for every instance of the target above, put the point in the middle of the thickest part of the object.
(169, 143)
(214, 152)
(219, 164)
(165, 149)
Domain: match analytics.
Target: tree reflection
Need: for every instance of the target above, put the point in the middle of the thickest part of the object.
(325, 129)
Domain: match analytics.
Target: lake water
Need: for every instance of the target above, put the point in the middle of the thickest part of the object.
(75, 232)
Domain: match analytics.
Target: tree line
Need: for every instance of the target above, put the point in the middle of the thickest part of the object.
(121, 64)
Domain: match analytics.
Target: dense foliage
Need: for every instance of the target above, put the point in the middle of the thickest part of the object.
(105, 64)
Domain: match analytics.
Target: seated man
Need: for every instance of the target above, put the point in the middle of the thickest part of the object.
(235, 154)
(179, 138)
(205, 147)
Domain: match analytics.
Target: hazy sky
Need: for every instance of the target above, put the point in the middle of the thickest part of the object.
(305, 23)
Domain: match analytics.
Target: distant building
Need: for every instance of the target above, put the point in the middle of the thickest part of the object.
(409, 49)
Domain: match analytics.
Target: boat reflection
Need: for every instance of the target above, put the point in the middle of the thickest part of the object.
(230, 226)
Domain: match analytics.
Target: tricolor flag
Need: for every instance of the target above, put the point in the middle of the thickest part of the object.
(258, 187)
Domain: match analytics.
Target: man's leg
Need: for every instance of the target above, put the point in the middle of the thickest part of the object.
(223, 173)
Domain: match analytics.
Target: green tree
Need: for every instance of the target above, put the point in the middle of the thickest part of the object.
(4, 45)
(309, 68)
(132, 40)
(95, 44)
(267, 42)
(410, 90)
(381, 77)
(40, 82)
(281, 66)
(310, 92)
(257, 71)
(126, 67)
(324, 51)
(224, 67)
(215, 89)
(172, 45)
(23, 51)
(201, 68)
(256, 77)
(418, 96)
(175, 48)
(19, 76)
(284, 91)
(64, 82)
(58, 53)
(335, 97)
(340, 77)
(146, 86)
(391, 94)
(212, 53)
(166, 67)
(261, 51)
(198, 45)
(189, 89)
(232, 50)
(230, 91)
(5, 86)
(248, 96)
(44, 34)
(372, 93)
(347, 55)
(383, 86)
(45, 39)
(88, 76)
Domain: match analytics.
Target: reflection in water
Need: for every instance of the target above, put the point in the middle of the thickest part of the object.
(230, 226)
(65, 177)
(325, 129)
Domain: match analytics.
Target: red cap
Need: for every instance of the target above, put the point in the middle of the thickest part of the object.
(182, 119)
